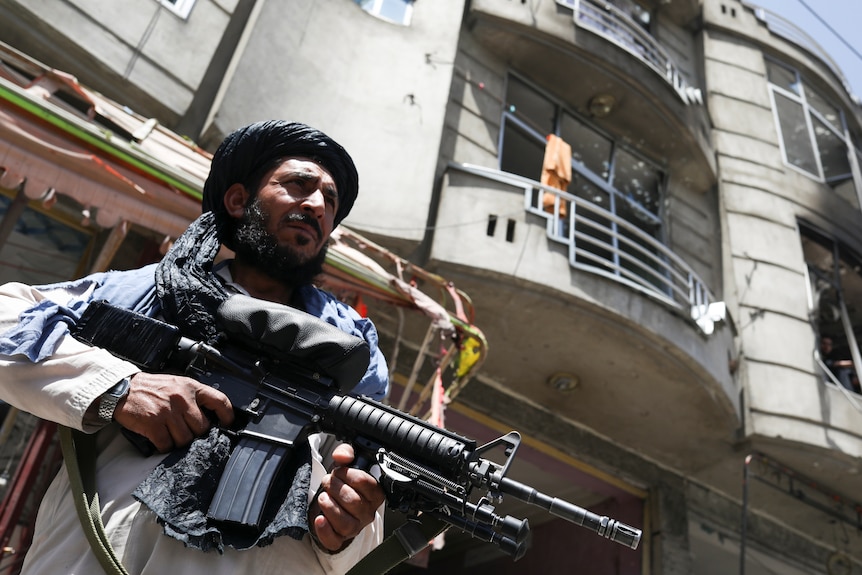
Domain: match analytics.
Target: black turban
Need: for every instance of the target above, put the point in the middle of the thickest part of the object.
(246, 154)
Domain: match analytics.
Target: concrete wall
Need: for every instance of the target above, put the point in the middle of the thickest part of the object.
(137, 52)
(762, 201)
(378, 88)
(471, 136)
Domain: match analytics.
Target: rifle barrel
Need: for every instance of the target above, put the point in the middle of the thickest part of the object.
(599, 524)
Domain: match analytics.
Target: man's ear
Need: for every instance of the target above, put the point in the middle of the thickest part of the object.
(235, 199)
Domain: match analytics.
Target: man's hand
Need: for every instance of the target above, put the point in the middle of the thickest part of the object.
(346, 504)
(168, 409)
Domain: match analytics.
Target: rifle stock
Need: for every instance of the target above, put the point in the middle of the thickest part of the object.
(286, 383)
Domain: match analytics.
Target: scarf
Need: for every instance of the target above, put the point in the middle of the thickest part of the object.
(181, 487)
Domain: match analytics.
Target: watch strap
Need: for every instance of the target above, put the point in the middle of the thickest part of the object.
(108, 401)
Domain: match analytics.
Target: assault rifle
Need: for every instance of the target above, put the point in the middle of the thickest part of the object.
(283, 371)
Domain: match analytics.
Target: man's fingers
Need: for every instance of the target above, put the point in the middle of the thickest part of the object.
(171, 410)
(326, 535)
(339, 521)
(215, 401)
(180, 432)
(160, 437)
(343, 454)
(356, 488)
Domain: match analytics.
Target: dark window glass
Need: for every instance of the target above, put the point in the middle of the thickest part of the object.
(782, 77)
(521, 155)
(530, 106)
(833, 153)
(588, 146)
(794, 134)
(637, 181)
(830, 113)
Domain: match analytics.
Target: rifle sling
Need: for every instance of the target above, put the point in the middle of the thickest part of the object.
(405, 542)
(79, 453)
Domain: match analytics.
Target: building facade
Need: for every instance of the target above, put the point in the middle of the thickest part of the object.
(654, 311)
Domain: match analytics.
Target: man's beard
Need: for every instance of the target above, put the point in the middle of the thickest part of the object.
(259, 248)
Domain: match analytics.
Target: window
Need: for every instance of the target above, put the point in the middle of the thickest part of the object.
(395, 11)
(813, 132)
(42, 248)
(835, 284)
(634, 10)
(638, 13)
(617, 180)
(181, 8)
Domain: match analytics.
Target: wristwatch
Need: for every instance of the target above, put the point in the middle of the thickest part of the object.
(108, 401)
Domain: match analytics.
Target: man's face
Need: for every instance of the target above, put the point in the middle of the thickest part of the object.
(300, 198)
(286, 226)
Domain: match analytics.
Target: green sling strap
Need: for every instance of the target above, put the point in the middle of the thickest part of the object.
(79, 453)
(405, 542)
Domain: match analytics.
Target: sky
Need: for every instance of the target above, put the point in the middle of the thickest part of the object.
(842, 16)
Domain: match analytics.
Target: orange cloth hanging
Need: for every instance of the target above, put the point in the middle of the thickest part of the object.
(556, 171)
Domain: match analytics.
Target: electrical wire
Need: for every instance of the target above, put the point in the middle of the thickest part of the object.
(831, 29)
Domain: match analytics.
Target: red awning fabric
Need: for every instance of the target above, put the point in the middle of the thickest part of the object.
(58, 135)
(33, 153)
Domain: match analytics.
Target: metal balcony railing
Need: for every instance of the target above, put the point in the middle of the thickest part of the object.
(603, 243)
(611, 23)
(792, 33)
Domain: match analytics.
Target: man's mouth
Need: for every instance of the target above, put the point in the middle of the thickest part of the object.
(305, 224)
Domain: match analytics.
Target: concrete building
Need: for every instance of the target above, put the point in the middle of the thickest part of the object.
(653, 323)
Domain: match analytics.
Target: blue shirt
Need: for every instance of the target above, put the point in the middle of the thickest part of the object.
(41, 328)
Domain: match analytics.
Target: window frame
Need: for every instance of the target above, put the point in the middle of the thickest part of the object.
(181, 8)
(842, 255)
(811, 113)
(58, 216)
(606, 184)
(375, 7)
(603, 247)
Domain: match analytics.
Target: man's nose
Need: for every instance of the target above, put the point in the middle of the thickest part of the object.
(314, 203)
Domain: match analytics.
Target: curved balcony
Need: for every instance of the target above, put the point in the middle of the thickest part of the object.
(618, 27)
(591, 321)
(605, 244)
(600, 63)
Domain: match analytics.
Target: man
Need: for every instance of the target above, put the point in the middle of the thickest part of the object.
(842, 369)
(274, 194)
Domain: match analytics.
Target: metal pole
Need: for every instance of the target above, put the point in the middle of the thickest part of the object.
(744, 514)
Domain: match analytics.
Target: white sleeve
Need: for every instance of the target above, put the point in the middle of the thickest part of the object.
(61, 387)
(370, 537)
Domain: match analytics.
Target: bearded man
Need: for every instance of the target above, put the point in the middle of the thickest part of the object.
(275, 192)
